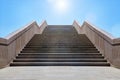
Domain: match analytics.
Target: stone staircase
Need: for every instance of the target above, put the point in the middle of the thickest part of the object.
(59, 45)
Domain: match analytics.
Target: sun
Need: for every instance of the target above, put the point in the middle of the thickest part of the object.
(60, 6)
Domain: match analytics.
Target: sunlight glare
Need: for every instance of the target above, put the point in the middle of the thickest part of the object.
(60, 6)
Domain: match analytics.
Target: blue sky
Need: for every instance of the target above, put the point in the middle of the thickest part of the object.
(105, 14)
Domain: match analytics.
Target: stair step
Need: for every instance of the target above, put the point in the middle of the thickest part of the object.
(59, 55)
(59, 51)
(59, 60)
(59, 46)
(59, 64)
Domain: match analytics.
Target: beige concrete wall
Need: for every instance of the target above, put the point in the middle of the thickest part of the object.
(104, 42)
(77, 27)
(11, 45)
(3, 52)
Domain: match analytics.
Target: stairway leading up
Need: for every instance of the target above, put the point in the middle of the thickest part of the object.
(60, 45)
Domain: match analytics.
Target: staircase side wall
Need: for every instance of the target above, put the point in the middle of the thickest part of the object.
(3, 52)
(103, 41)
(15, 42)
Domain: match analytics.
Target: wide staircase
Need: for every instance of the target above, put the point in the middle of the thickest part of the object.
(60, 45)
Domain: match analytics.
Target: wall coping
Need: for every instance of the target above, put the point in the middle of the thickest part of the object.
(14, 35)
(108, 37)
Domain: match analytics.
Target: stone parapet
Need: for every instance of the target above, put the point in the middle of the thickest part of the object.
(11, 45)
(103, 41)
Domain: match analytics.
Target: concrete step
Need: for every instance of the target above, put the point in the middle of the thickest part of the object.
(60, 64)
(60, 55)
(59, 46)
(57, 54)
(57, 51)
(59, 60)
(60, 49)
(72, 48)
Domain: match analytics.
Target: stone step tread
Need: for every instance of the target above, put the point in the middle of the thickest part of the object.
(57, 45)
(59, 60)
(61, 48)
(60, 64)
(59, 54)
(31, 56)
(67, 51)
(52, 49)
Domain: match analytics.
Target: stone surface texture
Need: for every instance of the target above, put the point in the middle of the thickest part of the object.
(59, 73)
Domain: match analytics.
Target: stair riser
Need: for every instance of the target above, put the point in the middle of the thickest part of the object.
(62, 64)
(61, 48)
(59, 51)
(72, 54)
(59, 60)
(60, 56)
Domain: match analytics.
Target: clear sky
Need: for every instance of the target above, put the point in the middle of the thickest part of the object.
(105, 14)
